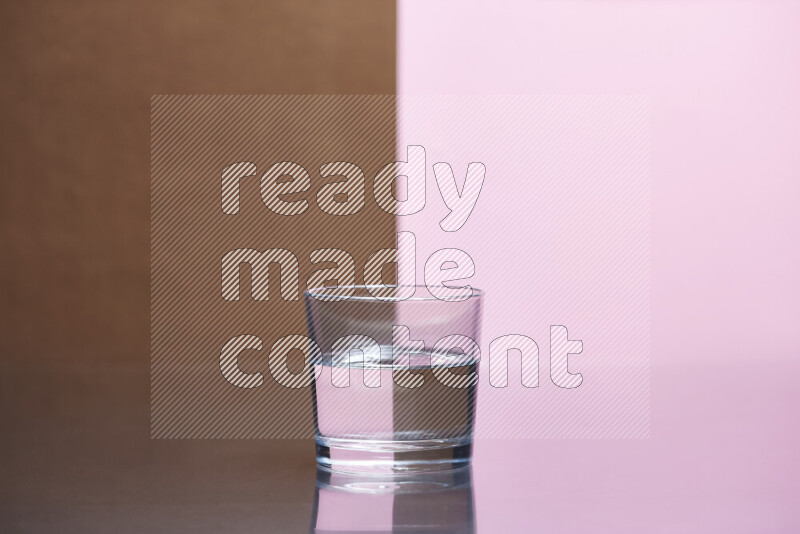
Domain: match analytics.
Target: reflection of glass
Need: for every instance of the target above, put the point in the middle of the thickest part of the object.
(440, 503)
(396, 379)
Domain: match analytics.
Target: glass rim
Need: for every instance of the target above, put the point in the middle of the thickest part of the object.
(319, 292)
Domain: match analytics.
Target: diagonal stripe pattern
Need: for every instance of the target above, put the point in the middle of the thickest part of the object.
(559, 236)
(242, 173)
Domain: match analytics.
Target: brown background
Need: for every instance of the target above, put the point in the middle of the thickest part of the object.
(193, 139)
(76, 87)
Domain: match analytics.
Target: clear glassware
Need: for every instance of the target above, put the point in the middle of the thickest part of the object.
(395, 379)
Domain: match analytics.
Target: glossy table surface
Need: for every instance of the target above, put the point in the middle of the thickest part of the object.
(722, 457)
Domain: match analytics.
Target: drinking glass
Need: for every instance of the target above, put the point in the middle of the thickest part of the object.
(395, 377)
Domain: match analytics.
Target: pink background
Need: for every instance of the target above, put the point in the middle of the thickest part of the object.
(723, 84)
(559, 236)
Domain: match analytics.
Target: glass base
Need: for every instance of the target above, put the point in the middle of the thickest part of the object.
(364, 457)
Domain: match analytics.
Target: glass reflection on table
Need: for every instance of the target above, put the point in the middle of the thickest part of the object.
(440, 503)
